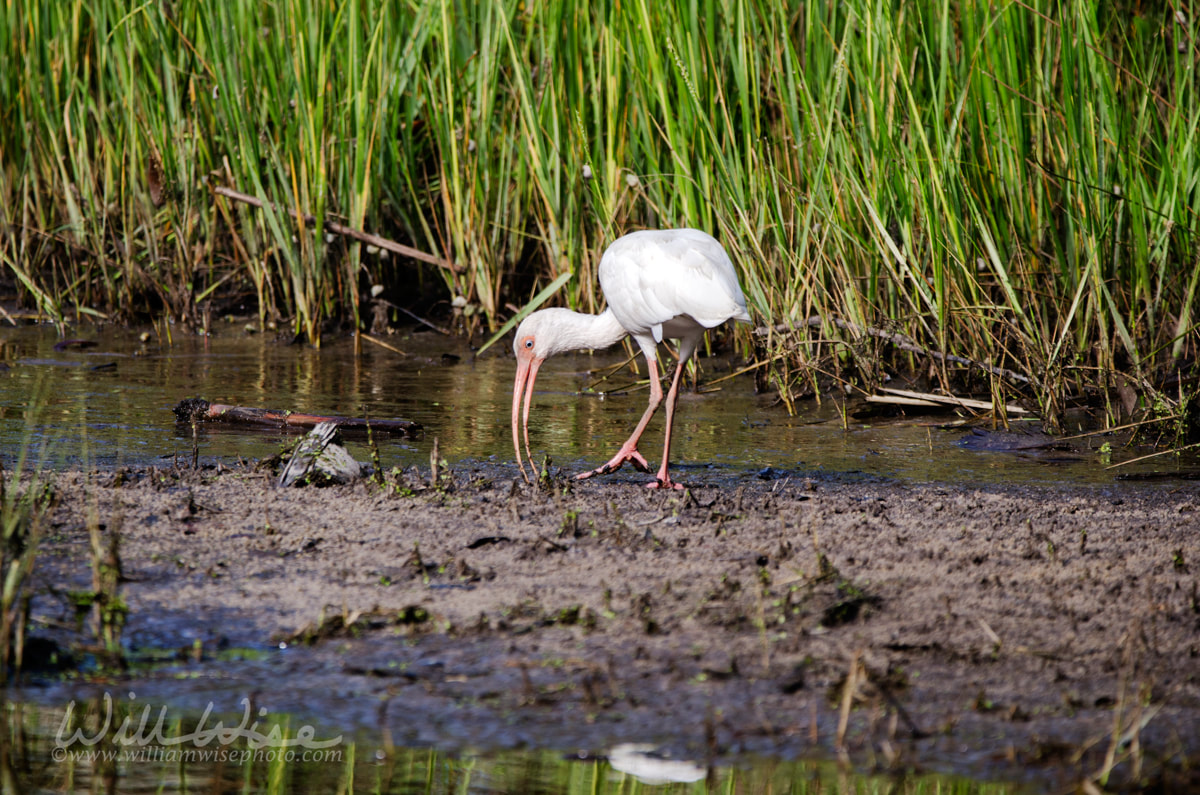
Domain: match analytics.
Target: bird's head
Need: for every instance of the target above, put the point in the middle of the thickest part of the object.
(549, 331)
(533, 344)
(541, 335)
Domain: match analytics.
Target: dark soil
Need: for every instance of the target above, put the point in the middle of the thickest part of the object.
(1010, 633)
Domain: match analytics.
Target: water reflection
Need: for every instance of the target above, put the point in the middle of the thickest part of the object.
(43, 752)
(120, 414)
(647, 765)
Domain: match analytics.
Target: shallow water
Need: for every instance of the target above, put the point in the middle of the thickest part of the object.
(110, 405)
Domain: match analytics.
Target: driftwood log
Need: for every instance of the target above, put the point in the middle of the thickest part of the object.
(200, 410)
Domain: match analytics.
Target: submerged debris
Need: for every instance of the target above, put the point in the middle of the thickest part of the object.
(64, 345)
(350, 624)
(989, 440)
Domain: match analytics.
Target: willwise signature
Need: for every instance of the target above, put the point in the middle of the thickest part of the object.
(144, 733)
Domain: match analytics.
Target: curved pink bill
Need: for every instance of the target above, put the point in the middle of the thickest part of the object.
(527, 370)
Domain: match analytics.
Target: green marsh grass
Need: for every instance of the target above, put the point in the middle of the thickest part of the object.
(1013, 184)
(23, 508)
(358, 765)
(25, 500)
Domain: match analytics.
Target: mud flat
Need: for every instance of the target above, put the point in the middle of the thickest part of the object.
(1016, 633)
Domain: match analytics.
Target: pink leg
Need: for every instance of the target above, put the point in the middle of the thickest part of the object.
(663, 480)
(629, 451)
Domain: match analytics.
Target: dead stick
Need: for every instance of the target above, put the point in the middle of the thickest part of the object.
(1125, 427)
(416, 317)
(1153, 455)
(383, 344)
(345, 231)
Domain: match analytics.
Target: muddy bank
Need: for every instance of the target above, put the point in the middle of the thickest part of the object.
(1002, 632)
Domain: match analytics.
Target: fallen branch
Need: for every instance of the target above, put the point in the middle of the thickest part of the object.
(1175, 450)
(382, 344)
(418, 318)
(200, 410)
(899, 340)
(345, 231)
(905, 397)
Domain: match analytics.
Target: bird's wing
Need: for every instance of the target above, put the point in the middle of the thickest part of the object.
(650, 278)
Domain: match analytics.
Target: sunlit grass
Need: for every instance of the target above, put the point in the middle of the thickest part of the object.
(1014, 184)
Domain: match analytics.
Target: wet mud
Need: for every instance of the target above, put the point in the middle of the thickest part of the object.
(1041, 635)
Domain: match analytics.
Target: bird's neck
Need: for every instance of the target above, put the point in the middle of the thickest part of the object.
(581, 331)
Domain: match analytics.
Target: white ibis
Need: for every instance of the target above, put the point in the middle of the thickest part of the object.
(670, 283)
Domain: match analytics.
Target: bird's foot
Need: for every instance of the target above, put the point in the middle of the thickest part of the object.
(663, 480)
(627, 453)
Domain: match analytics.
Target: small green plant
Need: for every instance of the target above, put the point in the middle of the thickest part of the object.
(374, 448)
(570, 524)
(440, 476)
(545, 480)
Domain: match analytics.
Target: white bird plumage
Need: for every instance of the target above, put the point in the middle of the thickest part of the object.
(659, 284)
